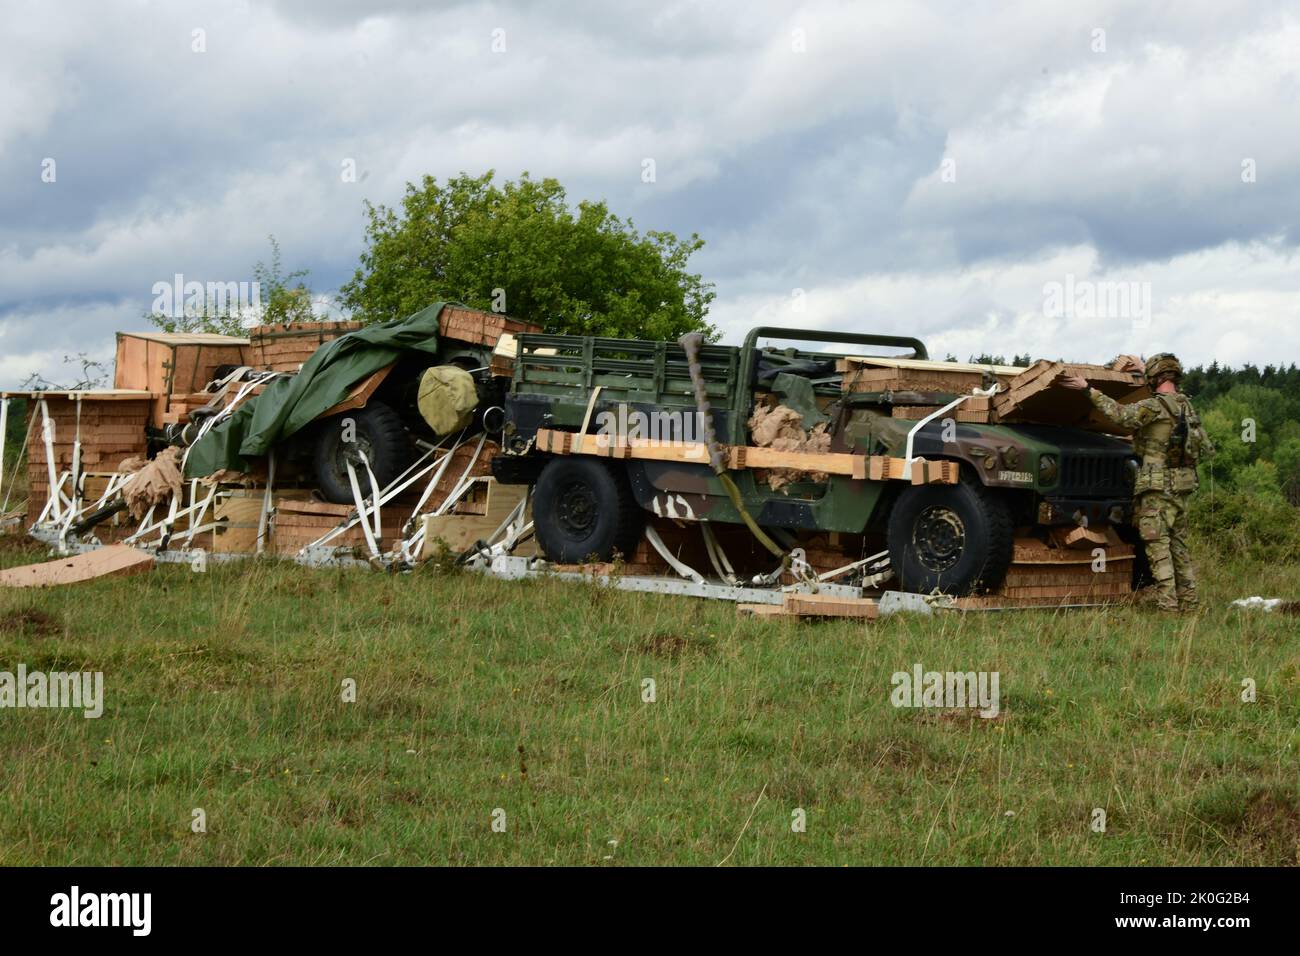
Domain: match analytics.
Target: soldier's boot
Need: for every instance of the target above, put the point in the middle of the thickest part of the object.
(1187, 598)
(1162, 570)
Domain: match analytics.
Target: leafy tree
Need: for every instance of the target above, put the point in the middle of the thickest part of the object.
(283, 300)
(519, 248)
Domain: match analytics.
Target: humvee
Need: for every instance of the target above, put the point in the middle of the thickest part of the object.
(955, 538)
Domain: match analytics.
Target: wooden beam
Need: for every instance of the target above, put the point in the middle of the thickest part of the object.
(739, 457)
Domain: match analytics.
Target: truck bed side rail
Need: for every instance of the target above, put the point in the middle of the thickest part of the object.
(633, 370)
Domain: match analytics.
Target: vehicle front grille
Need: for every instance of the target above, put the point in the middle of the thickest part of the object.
(1095, 475)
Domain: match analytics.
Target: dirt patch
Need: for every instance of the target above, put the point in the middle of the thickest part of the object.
(672, 645)
(31, 622)
(1270, 826)
(1261, 822)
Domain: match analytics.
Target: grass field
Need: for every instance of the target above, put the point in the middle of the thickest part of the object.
(223, 692)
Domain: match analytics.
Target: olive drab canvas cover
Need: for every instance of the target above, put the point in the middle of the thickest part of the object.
(292, 402)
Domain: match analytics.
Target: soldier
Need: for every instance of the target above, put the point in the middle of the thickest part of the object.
(1169, 441)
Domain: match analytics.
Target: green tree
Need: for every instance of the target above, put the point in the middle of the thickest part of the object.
(519, 248)
(284, 298)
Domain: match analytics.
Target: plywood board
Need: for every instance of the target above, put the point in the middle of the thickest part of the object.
(461, 531)
(111, 561)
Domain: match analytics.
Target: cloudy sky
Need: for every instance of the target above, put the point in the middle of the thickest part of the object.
(1062, 179)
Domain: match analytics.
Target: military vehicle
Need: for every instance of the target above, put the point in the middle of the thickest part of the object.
(956, 538)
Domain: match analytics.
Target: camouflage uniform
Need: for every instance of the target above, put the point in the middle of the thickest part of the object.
(1164, 485)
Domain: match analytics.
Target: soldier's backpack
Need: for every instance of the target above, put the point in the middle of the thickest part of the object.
(1188, 442)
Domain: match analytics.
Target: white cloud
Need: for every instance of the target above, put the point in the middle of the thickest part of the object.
(1234, 303)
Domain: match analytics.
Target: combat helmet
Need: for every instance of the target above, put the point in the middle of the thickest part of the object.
(1161, 363)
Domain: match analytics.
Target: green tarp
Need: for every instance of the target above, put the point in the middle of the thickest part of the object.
(290, 403)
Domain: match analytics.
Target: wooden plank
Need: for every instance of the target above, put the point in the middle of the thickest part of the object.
(311, 506)
(875, 467)
(460, 531)
(825, 605)
(111, 561)
(762, 610)
(241, 514)
(360, 393)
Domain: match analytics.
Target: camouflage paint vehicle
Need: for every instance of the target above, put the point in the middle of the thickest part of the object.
(953, 537)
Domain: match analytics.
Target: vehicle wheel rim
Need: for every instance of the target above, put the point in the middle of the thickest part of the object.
(351, 451)
(939, 536)
(576, 510)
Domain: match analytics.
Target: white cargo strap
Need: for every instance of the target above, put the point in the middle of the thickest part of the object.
(361, 509)
(47, 433)
(718, 557)
(911, 435)
(399, 485)
(264, 518)
(441, 468)
(462, 485)
(580, 438)
(225, 413)
(865, 562)
(657, 543)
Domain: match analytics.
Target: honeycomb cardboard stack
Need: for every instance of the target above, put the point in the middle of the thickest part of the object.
(479, 328)
(1026, 395)
(112, 427)
(284, 347)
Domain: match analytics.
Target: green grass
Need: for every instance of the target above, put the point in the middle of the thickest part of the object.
(223, 692)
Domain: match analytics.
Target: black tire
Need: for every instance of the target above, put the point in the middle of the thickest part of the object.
(956, 539)
(584, 508)
(379, 432)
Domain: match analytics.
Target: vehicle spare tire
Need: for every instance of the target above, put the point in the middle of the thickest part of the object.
(583, 508)
(376, 430)
(953, 538)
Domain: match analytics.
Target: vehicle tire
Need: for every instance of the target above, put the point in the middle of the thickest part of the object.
(583, 508)
(953, 538)
(378, 431)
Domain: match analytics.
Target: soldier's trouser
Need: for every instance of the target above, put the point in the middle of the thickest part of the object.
(1162, 525)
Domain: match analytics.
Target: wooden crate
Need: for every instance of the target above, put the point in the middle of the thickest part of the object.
(173, 363)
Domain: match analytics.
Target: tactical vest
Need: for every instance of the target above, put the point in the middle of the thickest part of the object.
(1165, 465)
